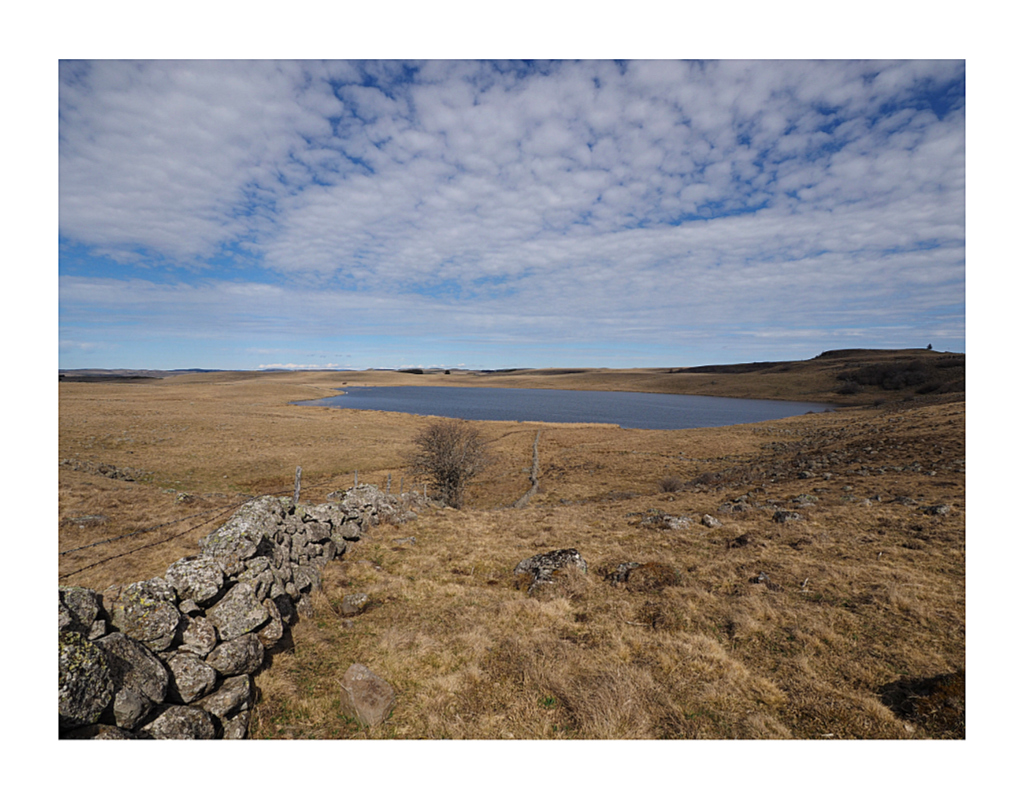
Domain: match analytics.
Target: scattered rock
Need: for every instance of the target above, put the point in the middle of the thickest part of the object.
(366, 697)
(783, 516)
(541, 569)
(354, 604)
(710, 521)
(937, 510)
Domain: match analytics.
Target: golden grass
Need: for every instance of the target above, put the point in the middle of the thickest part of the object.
(860, 593)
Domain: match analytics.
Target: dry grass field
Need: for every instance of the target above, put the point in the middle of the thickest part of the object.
(847, 622)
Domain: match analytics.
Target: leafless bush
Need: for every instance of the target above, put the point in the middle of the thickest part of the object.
(671, 483)
(450, 453)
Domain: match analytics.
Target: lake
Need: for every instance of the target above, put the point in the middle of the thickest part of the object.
(624, 408)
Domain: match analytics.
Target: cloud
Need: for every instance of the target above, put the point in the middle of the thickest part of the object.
(557, 200)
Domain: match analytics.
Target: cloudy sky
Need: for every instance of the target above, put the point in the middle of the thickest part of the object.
(253, 214)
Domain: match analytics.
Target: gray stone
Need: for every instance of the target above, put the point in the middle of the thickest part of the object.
(238, 613)
(354, 604)
(710, 521)
(146, 612)
(98, 732)
(540, 569)
(366, 697)
(82, 608)
(140, 678)
(783, 516)
(234, 695)
(273, 631)
(242, 655)
(236, 728)
(198, 578)
(191, 678)
(180, 722)
(246, 533)
(199, 637)
(85, 687)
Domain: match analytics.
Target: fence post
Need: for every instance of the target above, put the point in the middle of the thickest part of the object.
(389, 484)
(298, 481)
(356, 483)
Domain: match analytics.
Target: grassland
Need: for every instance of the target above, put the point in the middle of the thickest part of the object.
(862, 599)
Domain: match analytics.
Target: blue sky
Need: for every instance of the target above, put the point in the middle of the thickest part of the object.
(479, 214)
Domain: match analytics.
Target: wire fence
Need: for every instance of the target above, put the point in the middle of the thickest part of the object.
(215, 514)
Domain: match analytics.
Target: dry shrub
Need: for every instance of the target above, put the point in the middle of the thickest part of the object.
(671, 483)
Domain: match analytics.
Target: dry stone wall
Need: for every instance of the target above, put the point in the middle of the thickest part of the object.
(173, 656)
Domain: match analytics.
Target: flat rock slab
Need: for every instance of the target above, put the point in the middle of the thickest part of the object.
(366, 697)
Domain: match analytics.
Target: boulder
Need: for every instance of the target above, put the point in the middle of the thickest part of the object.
(354, 604)
(238, 613)
(273, 631)
(191, 678)
(198, 578)
(199, 637)
(236, 728)
(81, 611)
(85, 687)
(180, 722)
(783, 516)
(710, 521)
(541, 569)
(234, 695)
(242, 655)
(98, 732)
(366, 697)
(246, 534)
(140, 678)
(146, 611)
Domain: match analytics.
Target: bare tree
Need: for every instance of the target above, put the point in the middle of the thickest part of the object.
(450, 453)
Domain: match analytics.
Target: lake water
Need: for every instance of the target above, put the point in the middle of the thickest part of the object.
(624, 408)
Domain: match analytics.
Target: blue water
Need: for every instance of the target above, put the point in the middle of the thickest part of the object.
(624, 408)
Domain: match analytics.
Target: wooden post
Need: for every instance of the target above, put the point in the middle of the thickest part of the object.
(298, 481)
(355, 484)
(389, 484)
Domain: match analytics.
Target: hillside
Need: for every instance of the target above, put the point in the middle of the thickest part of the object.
(825, 598)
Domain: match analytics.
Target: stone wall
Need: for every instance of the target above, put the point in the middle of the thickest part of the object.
(173, 656)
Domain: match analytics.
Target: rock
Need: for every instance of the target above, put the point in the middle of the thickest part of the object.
(191, 678)
(354, 604)
(82, 612)
(146, 612)
(273, 631)
(199, 578)
(762, 579)
(234, 695)
(85, 687)
(541, 569)
(180, 722)
(710, 521)
(242, 655)
(245, 534)
(140, 678)
(304, 607)
(238, 613)
(937, 510)
(98, 732)
(236, 728)
(366, 697)
(783, 516)
(199, 637)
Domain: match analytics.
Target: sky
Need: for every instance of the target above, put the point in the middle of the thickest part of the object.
(489, 214)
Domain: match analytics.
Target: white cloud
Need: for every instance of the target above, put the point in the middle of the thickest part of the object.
(562, 203)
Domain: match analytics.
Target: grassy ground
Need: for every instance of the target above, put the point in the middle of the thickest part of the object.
(861, 600)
